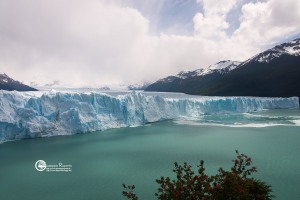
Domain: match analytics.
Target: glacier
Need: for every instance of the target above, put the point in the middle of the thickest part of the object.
(30, 115)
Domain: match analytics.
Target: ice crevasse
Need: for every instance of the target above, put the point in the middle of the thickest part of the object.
(25, 115)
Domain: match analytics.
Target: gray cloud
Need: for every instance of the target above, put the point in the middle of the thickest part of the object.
(84, 43)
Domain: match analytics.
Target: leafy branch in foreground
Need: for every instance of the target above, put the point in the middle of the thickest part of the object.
(129, 192)
(235, 184)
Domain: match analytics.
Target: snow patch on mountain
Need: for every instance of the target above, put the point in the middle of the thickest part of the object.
(138, 86)
(221, 67)
(290, 48)
(4, 78)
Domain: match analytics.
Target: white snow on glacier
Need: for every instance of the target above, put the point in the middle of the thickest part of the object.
(36, 114)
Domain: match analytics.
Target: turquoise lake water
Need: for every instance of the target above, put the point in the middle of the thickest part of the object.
(102, 161)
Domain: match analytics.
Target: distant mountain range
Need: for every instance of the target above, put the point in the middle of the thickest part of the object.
(141, 86)
(273, 73)
(7, 83)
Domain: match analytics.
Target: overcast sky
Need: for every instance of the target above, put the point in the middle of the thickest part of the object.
(98, 42)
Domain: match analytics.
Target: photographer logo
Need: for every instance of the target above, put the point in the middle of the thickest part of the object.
(40, 165)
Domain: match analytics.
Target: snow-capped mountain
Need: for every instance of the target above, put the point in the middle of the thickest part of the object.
(138, 86)
(291, 48)
(7, 83)
(4, 78)
(221, 67)
(272, 73)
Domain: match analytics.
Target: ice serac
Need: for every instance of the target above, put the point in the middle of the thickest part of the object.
(26, 115)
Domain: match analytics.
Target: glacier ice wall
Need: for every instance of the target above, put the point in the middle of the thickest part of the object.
(25, 115)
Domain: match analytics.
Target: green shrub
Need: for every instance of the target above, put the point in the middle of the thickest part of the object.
(235, 184)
